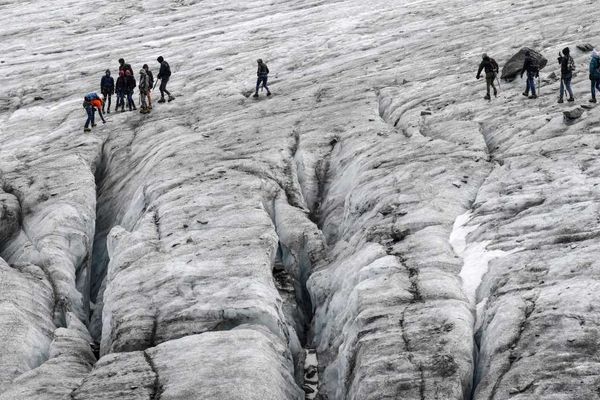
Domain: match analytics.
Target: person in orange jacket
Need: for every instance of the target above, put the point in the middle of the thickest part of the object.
(98, 104)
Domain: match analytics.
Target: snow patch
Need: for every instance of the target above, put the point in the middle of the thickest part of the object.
(476, 257)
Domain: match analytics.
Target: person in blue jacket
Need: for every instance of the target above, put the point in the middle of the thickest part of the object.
(107, 88)
(595, 74)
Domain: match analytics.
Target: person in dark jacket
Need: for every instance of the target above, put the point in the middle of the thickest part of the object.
(130, 85)
(121, 91)
(595, 74)
(263, 75)
(123, 66)
(567, 66)
(150, 84)
(164, 74)
(531, 67)
(490, 66)
(107, 88)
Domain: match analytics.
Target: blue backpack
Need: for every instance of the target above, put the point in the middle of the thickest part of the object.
(92, 96)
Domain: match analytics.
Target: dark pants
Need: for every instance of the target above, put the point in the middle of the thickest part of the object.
(489, 81)
(163, 88)
(565, 83)
(120, 100)
(90, 116)
(130, 102)
(530, 83)
(263, 80)
(595, 86)
(107, 96)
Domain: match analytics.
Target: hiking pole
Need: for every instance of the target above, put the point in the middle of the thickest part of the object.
(155, 83)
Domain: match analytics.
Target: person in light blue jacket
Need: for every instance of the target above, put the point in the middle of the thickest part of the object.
(595, 74)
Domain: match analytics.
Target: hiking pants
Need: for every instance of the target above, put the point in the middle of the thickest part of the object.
(595, 86)
(565, 83)
(163, 88)
(489, 81)
(530, 83)
(143, 97)
(107, 96)
(90, 116)
(130, 102)
(120, 100)
(262, 79)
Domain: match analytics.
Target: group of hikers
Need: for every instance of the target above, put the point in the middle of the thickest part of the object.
(126, 84)
(532, 69)
(124, 88)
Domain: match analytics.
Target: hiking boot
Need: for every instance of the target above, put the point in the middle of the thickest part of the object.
(93, 125)
(487, 97)
(495, 93)
(560, 100)
(593, 100)
(134, 107)
(571, 99)
(533, 96)
(255, 95)
(162, 100)
(268, 93)
(525, 94)
(171, 98)
(87, 130)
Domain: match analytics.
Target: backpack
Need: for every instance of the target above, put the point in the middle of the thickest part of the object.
(92, 96)
(571, 64)
(495, 66)
(167, 72)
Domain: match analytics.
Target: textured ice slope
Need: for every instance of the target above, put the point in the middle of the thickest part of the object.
(194, 252)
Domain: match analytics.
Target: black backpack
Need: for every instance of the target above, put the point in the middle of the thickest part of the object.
(167, 69)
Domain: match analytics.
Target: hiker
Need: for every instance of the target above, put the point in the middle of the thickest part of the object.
(123, 66)
(567, 66)
(490, 66)
(121, 90)
(531, 67)
(107, 88)
(263, 74)
(91, 103)
(130, 85)
(150, 85)
(164, 74)
(144, 88)
(595, 74)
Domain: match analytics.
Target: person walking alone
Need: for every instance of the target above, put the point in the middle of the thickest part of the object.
(595, 74)
(107, 88)
(490, 66)
(530, 66)
(567, 66)
(164, 74)
(263, 75)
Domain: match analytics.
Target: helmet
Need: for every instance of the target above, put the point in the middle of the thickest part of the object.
(121, 61)
(160, 59)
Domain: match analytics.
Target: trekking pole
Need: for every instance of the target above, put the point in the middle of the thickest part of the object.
(155, 83)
